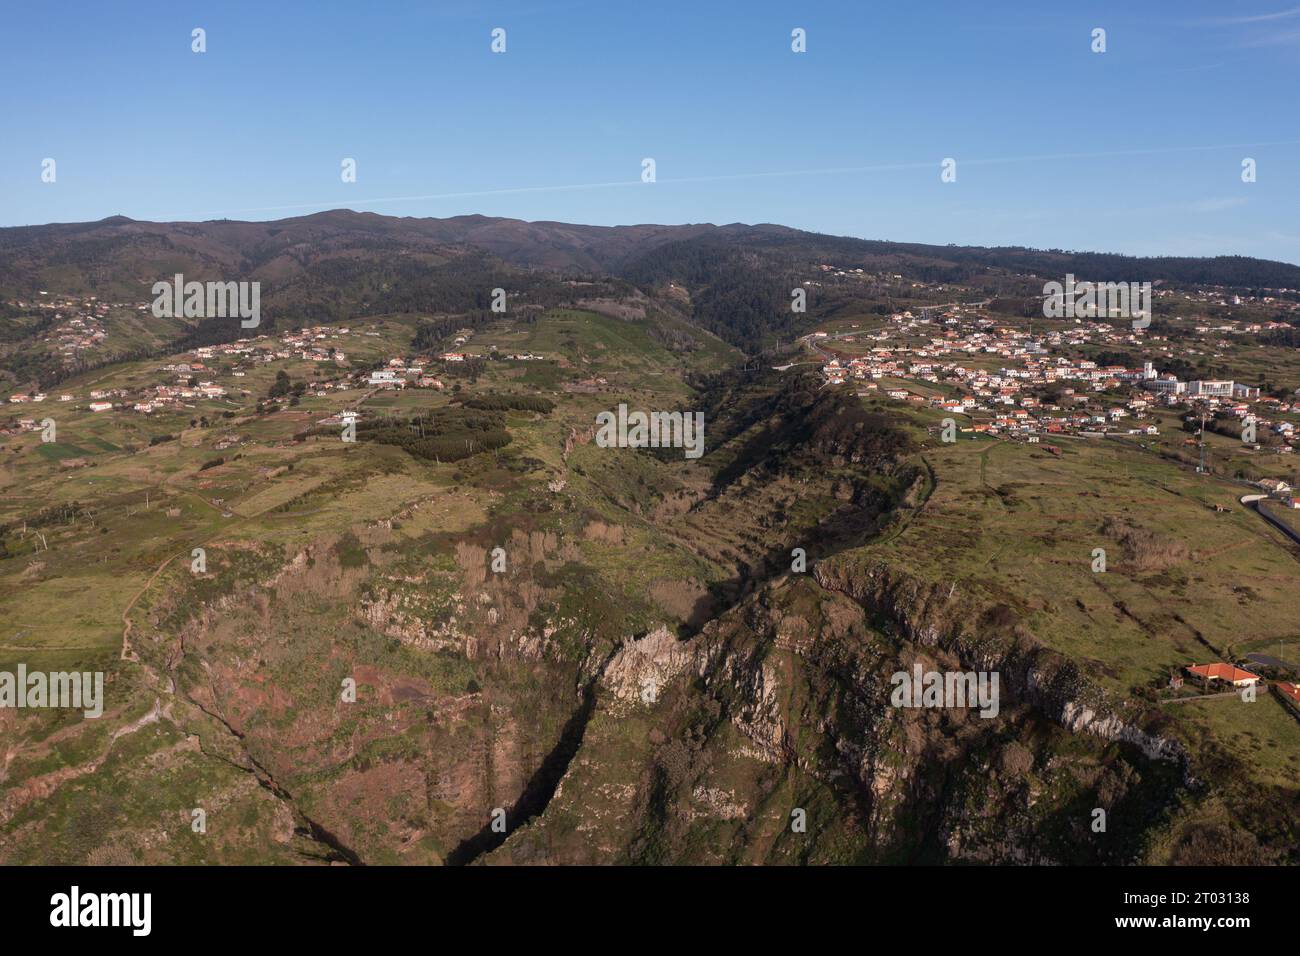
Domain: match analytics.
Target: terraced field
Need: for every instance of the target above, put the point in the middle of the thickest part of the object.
(633, 655)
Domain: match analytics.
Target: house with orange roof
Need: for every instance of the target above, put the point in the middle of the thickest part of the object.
(1222, 672)
(1289, 691)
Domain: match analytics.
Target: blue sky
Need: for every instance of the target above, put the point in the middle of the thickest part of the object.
(1136, 150)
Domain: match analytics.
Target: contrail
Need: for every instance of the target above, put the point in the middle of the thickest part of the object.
(732, 177)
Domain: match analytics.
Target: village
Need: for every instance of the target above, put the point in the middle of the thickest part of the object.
(77, 323)
(192, 377)
(213, 372)
(1013, 383)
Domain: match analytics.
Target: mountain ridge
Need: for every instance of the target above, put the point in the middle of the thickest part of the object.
(550, 244)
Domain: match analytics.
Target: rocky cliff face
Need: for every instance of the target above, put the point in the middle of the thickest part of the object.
(398, 700)
(935, 615)
(771, 737)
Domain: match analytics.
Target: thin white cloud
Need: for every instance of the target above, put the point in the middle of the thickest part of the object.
(1257, 18)
(343, 201)
(1272, 20)
(1207, 66)
(1274, 39)
(1218, 205)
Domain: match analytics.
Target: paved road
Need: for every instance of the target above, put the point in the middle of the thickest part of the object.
(1269, 661)
(1250, 501)
(1275, 522)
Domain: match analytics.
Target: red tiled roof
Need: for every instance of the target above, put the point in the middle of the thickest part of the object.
(1221, 672)
(1291, 690)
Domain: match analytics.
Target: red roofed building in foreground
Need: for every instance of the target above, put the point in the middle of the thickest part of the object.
(1289, 690)
(1224, 672)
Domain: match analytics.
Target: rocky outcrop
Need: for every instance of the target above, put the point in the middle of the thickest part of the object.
(642, 666)
(991, 638)
(389, 613)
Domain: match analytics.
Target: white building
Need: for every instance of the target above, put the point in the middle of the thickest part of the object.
(1210, 389)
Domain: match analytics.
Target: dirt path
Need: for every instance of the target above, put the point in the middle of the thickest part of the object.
(127, 654)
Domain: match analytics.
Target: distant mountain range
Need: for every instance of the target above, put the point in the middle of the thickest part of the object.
(125, 254)
(733, 280)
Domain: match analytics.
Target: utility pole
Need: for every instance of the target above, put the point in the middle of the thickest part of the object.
(1200, 469)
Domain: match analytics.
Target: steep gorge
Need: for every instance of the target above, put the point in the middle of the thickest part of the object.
(700, 750)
